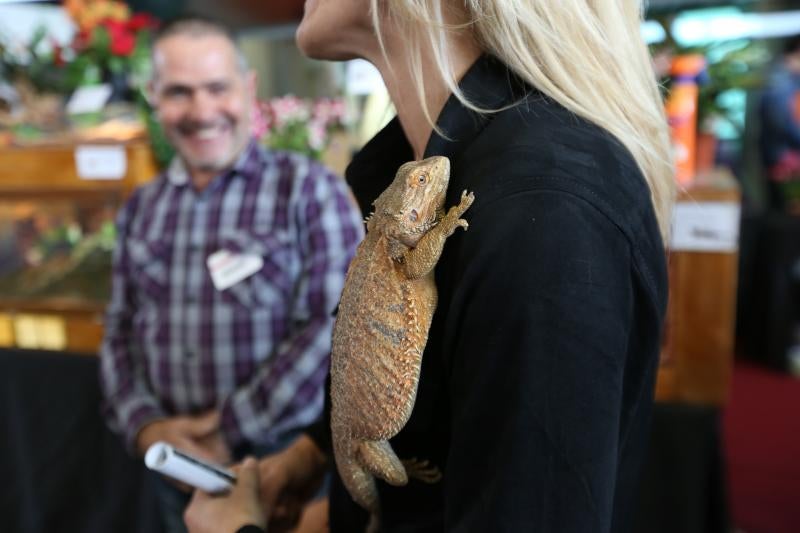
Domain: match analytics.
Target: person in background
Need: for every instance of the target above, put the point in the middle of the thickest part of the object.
(228, 268)
(537, 383)
(780, 129)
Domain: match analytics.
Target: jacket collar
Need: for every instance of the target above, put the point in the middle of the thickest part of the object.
(488, 83)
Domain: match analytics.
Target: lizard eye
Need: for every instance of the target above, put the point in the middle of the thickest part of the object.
(422, 179)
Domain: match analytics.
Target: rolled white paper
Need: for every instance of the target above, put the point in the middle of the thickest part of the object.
(181, 466)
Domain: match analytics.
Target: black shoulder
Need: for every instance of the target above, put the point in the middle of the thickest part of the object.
(538, 145)
(555, 142)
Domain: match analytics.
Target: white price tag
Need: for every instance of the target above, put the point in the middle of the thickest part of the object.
(228, 268)
(705, 227)
(101, 162)
(89, 99)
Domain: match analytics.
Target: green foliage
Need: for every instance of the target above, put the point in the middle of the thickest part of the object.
(730, 66)
(90, 62)
(162, 149)
(41, 68)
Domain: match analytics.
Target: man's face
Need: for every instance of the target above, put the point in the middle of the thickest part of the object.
(203, 99)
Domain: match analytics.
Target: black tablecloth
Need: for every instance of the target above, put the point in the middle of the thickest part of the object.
(62, 470)
(684, 487)
(769, 288)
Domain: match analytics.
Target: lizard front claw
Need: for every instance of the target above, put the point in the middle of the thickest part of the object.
(466, 201)
(466, 198)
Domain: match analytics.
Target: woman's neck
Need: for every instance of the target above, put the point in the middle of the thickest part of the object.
(402, 88)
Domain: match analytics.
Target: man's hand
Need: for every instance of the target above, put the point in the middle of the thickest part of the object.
(228, 512)
(210, 438)
(288, 480)
(184, 432)
(196, 435)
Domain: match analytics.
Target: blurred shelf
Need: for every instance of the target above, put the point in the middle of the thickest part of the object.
(697, 354)
(47, 170)
(59, 303)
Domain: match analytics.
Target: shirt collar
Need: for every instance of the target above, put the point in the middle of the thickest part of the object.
(247, 165)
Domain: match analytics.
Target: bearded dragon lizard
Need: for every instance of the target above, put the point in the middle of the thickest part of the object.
(382, 325)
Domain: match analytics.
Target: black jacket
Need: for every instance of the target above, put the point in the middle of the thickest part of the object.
(537, 380)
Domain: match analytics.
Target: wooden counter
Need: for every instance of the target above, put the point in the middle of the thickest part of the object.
(40, 171)
(697, 355)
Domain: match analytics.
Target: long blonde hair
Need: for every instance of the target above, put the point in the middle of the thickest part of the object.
(588, 55)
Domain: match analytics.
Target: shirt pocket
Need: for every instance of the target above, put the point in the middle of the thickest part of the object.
(149, 261)
(273, 284)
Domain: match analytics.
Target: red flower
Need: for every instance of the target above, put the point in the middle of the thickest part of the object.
(115, 27)
(82, 40)
(141, 21)
(123, 41)
(123, 44)
(58, 56)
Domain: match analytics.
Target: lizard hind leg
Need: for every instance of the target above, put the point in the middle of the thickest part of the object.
(422, 470)
(379, 458)
(360, 484)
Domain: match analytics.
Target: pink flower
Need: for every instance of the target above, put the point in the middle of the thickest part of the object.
(262, 121)
(296, 123)
(316, 135)
(288, 109)
(330, 111)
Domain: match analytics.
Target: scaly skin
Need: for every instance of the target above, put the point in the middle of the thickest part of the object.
(382, 325)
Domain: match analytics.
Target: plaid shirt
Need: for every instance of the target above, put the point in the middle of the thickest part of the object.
(259, 350)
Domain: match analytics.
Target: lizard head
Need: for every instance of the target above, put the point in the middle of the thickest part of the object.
(415, 199)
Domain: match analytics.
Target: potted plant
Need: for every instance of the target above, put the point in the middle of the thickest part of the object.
(111, 45)
(297, 124)
(730, 65)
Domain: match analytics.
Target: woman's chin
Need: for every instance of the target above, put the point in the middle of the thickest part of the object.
(321, 49)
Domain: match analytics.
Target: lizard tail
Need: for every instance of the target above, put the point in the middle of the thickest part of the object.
(374, 525)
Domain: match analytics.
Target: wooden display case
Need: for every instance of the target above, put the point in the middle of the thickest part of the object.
(57, 207)
(697, 355)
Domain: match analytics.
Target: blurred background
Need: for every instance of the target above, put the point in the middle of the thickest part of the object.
(77, 136)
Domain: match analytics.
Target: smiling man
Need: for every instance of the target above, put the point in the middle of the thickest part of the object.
(204, 94)
(226, 273)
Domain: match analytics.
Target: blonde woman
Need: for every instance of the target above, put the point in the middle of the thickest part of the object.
(537, 380)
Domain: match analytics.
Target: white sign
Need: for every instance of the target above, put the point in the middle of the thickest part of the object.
(89, 99)
(228, 268)
(705, 227)
(101, 162)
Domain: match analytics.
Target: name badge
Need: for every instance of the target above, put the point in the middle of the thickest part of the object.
(228, 268)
